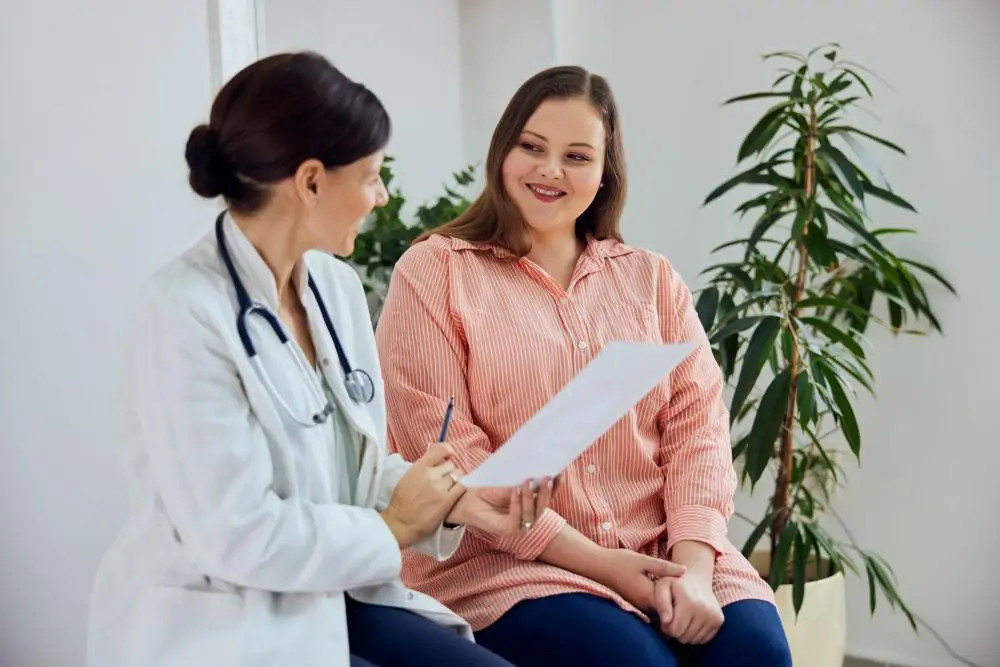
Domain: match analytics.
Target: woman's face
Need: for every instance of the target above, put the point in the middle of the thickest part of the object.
(343, 198)
(553, 172)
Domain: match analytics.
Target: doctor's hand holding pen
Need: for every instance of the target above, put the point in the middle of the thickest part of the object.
(430, 493)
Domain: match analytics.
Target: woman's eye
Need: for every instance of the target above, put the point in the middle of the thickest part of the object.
(576, 157)
(528, 146)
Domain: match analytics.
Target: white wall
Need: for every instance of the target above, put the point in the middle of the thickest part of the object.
(408, 54)
(99, 98)
(926, 493)
(502, 44)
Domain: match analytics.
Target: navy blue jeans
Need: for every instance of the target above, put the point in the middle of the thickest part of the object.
(580, 630)
(389, 637)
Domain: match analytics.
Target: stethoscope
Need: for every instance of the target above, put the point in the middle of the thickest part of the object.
(358, 383)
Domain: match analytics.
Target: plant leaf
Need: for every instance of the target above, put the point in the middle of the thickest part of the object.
(756, 534)
(763, 131)
(755, 96)
(848, 421)
(758, 349)
(932, 272)
(834, 333)
(707, 306)
(885, 195)
(779, 559)
(835, 129)
(801, 556)
(753, 174)
(846, 170)
(805, 398)
(735, 326)
(767, 426)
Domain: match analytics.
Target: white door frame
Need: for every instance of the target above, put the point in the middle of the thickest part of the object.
(236, 37)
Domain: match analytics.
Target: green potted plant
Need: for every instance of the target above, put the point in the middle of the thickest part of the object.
(787, 311)
(386, 235)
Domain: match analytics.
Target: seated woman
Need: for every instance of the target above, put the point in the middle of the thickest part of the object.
(501, 308)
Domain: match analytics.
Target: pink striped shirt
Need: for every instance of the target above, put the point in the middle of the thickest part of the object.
(503, 338)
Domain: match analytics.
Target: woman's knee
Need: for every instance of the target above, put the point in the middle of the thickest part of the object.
(751, 634)
(576, 629)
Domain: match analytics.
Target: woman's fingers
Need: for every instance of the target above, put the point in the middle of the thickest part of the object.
(663, 568)
(544, 496)
(515, 513)
(527, 506)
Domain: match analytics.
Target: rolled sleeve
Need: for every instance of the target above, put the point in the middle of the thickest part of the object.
(699, 524)
(530, 545)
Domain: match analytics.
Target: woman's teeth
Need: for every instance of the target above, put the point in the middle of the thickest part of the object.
(545, 194)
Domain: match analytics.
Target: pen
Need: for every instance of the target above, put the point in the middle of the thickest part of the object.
(447, 419)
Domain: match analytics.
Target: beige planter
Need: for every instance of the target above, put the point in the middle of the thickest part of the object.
(818, 636)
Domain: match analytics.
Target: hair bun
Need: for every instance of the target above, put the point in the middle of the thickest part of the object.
(204, 161)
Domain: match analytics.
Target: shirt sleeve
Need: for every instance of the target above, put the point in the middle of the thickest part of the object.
(424, 362)
(694, 427)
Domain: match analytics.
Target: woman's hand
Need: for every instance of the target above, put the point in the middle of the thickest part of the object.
(424, 496)
(632, 575)
(689, 611)
(502, 511)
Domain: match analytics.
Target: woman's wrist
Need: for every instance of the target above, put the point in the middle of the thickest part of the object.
(698, 557)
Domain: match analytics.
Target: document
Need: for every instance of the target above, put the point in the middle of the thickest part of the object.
(586, 408)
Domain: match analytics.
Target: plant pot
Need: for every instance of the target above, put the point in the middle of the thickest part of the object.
(818, 635)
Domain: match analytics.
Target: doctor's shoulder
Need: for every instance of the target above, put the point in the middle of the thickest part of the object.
(186, 296)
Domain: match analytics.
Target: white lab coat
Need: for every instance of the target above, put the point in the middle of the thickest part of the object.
(236, 552)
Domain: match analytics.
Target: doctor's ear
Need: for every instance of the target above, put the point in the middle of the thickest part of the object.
(309, 179)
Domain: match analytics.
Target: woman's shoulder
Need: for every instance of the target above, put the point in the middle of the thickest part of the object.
(434, 252)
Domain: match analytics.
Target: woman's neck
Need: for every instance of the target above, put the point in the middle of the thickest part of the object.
(270, 232)
(557, 254)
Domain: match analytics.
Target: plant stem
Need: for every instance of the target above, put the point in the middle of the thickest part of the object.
(781, 502)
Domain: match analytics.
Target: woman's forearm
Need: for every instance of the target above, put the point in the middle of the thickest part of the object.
(572, 550)
(698, 557)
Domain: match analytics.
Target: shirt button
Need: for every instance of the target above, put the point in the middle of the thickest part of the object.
(591, 468)
(582, 345)
(606, 525)
(326, 362)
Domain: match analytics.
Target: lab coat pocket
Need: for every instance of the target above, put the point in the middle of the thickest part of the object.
(212, 624)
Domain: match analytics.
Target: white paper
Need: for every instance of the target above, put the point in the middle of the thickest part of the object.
(586, 408)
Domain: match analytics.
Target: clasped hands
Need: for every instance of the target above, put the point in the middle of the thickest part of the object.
(431, 493)
(682, 598)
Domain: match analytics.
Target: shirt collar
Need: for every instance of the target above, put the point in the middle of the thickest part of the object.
(596, 250)
(253, 270)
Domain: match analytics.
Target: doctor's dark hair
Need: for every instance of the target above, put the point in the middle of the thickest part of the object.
(274, 115)
(493, 218)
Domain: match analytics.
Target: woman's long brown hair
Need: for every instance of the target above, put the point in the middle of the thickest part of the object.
(493, 218)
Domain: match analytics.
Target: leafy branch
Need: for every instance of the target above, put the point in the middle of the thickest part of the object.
(814, 273)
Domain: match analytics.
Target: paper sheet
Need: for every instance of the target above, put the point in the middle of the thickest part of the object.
(600, 395)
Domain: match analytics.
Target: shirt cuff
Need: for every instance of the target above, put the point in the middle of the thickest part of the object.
(698, 524)
(531, 545)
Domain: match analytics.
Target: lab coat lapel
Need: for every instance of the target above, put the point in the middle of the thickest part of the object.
(326, 352)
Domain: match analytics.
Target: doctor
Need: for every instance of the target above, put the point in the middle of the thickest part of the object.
(267, 519)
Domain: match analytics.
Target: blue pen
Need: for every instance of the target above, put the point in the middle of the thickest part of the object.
(447, 419)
